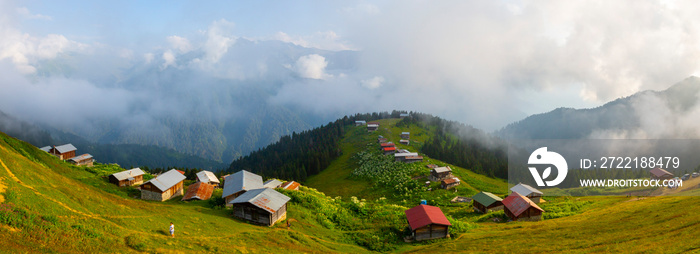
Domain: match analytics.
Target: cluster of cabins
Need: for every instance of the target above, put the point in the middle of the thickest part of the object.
(520, 205)
(402, 155)
(67, 153)
(250, 198)
(444, 176)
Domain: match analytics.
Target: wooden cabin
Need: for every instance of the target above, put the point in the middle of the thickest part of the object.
(427, 222)
(198, 191)
(449, 183)
(520, 208)
(401, 155)
(360, 123)
(405, 141)
(373, 126)
(63, 152)
(403, 115)
(240, 182)
(485, 202)
(165, 186)
(272, 184)
(412, 159)
(389, 150)
(129, 177)
(382, 140)
(82, 160)
(208, 177)
(526, 190)
(440, 173)
(291, 185)
(431, 166)
(386, 144)
(405, 135)
(660, 174)
(261, 206)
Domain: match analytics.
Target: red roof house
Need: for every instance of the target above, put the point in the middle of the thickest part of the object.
(198, 190)
(427, 222)
(519, 207)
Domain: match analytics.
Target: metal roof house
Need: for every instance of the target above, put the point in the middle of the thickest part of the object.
(82, 160)
(164, 187)
(198, 191)
(405, 135)
(440, 173)
(63, 152)
(272, 184)
(208, 177)
(660, 174)
(519, 207)
(404, 141)
(46, 149)
(360, 122)
(427, 222)
(389, 150)
(129, 177)
(373, 126)
(401, 156)
(450, 183)
(291, 185)
(262, 206)
(240, 182)
(402, 115)
(485, 202)
(528, 191)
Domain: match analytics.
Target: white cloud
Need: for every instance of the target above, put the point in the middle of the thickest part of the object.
(24, 12)
(312, 66)
(180, 43)
(218, 40)
(148, 58)
(327, 40)
(373, 83)
(363, 9)
(168, 58)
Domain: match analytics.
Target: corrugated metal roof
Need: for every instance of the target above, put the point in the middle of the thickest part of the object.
(45, 149)
(414, 157)
(405, 132)
(423, 215)
(525, 189)
(207, 177)
(66, 148)
(134, 172)
(386, 149)
(386, 144)
(360, 121)
(442, 169)
(291, 185)
(241, 180)
(450, 181)
(405, 154)
(486, 198)
(372, 125)
(81, 157)
(658, 172)
(267, 199)
(167, 180)
(272, 183)
(517, 204)
(199, 190)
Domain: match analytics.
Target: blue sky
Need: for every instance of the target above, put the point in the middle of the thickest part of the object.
(489, 63)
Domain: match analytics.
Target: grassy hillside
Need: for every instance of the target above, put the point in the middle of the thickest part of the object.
(47, 205)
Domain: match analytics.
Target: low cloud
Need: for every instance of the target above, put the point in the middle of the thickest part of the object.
(312, 66)
(373, 83)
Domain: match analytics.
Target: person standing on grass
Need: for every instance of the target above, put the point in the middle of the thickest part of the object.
(172, 230)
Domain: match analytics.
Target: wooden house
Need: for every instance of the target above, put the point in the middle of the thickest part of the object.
(389, 150)
(427, 222)
(520, 208)
(431, 166)
(63, 152)
(382, 140)
(449, 183)
(405, 135)
(403, 115)
(198, 191)
(291, 185)
(373, 126)
(272, 184)
(412, 159)
(401, 156)
(360, 122)
(129, 177)
(208, 177)
(405, 141)
(82, 160)
(526, 190)
(660, 174)
(261, 206)
(240, 182)
(485, 202)
(440, 173)
(387, 144)
(165, 186)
